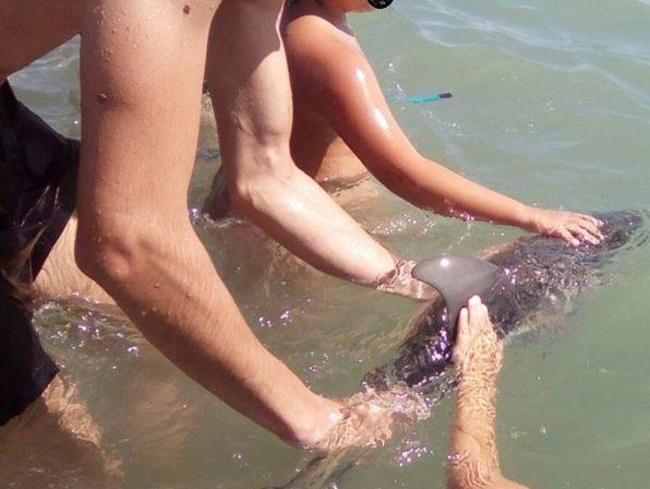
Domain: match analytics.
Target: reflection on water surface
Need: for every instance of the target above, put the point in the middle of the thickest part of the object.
(551, 104)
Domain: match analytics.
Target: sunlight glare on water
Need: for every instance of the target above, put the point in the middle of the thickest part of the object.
(551, 104)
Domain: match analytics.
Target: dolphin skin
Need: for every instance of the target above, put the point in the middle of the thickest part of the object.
(542, 275)
(537, 278)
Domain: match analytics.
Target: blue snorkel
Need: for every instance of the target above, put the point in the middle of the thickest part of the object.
(425, 99)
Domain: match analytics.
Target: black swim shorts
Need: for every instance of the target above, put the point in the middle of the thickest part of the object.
(38, 169)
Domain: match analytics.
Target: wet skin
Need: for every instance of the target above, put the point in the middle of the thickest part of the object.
(478, 357)
(546, 274)
(474, 458)
(543, 275)
(343, 128)
(142, 71)
(58, 436)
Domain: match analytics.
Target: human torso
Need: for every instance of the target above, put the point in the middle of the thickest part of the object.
(320, 152)
(315, 146)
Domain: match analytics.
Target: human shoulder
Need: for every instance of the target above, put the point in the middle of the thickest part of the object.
(304, 16)
(325, 63)
(313, 40)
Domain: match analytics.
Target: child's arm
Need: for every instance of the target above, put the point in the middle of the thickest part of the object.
(341, 85)
(474, 460)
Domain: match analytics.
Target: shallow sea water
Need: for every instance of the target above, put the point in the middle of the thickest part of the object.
(551, 105)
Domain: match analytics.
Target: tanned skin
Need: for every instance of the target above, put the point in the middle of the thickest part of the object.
(478, 355)
(343, 128)
(142, 70)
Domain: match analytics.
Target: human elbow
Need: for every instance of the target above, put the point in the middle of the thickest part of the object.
(268, 180)
(114, 256)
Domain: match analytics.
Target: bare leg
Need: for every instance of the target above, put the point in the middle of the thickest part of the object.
(218, 204)
(55, 440)
(477, 360)
(60, 276)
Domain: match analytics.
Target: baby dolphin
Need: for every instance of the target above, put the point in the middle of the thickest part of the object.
(533, 275)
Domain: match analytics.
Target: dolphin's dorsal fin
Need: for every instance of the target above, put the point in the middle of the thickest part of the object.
(458, 278)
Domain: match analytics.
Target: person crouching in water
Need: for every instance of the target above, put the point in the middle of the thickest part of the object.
(343, 129)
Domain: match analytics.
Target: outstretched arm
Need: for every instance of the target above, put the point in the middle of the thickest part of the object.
(474, 460)
(253, 107)
(142, 72)
(337, 80)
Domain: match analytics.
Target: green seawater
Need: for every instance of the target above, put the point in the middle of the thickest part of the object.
(551, 104)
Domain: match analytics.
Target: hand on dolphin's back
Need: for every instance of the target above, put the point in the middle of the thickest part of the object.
(371, 418)
(401, 281)
(476, 336)
(478, 354)
(569, 226)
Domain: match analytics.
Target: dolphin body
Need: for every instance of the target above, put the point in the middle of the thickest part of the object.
(542, 276)
(537, 280)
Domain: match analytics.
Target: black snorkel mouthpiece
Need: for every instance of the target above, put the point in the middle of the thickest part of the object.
(380, 4)
(458, 278)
